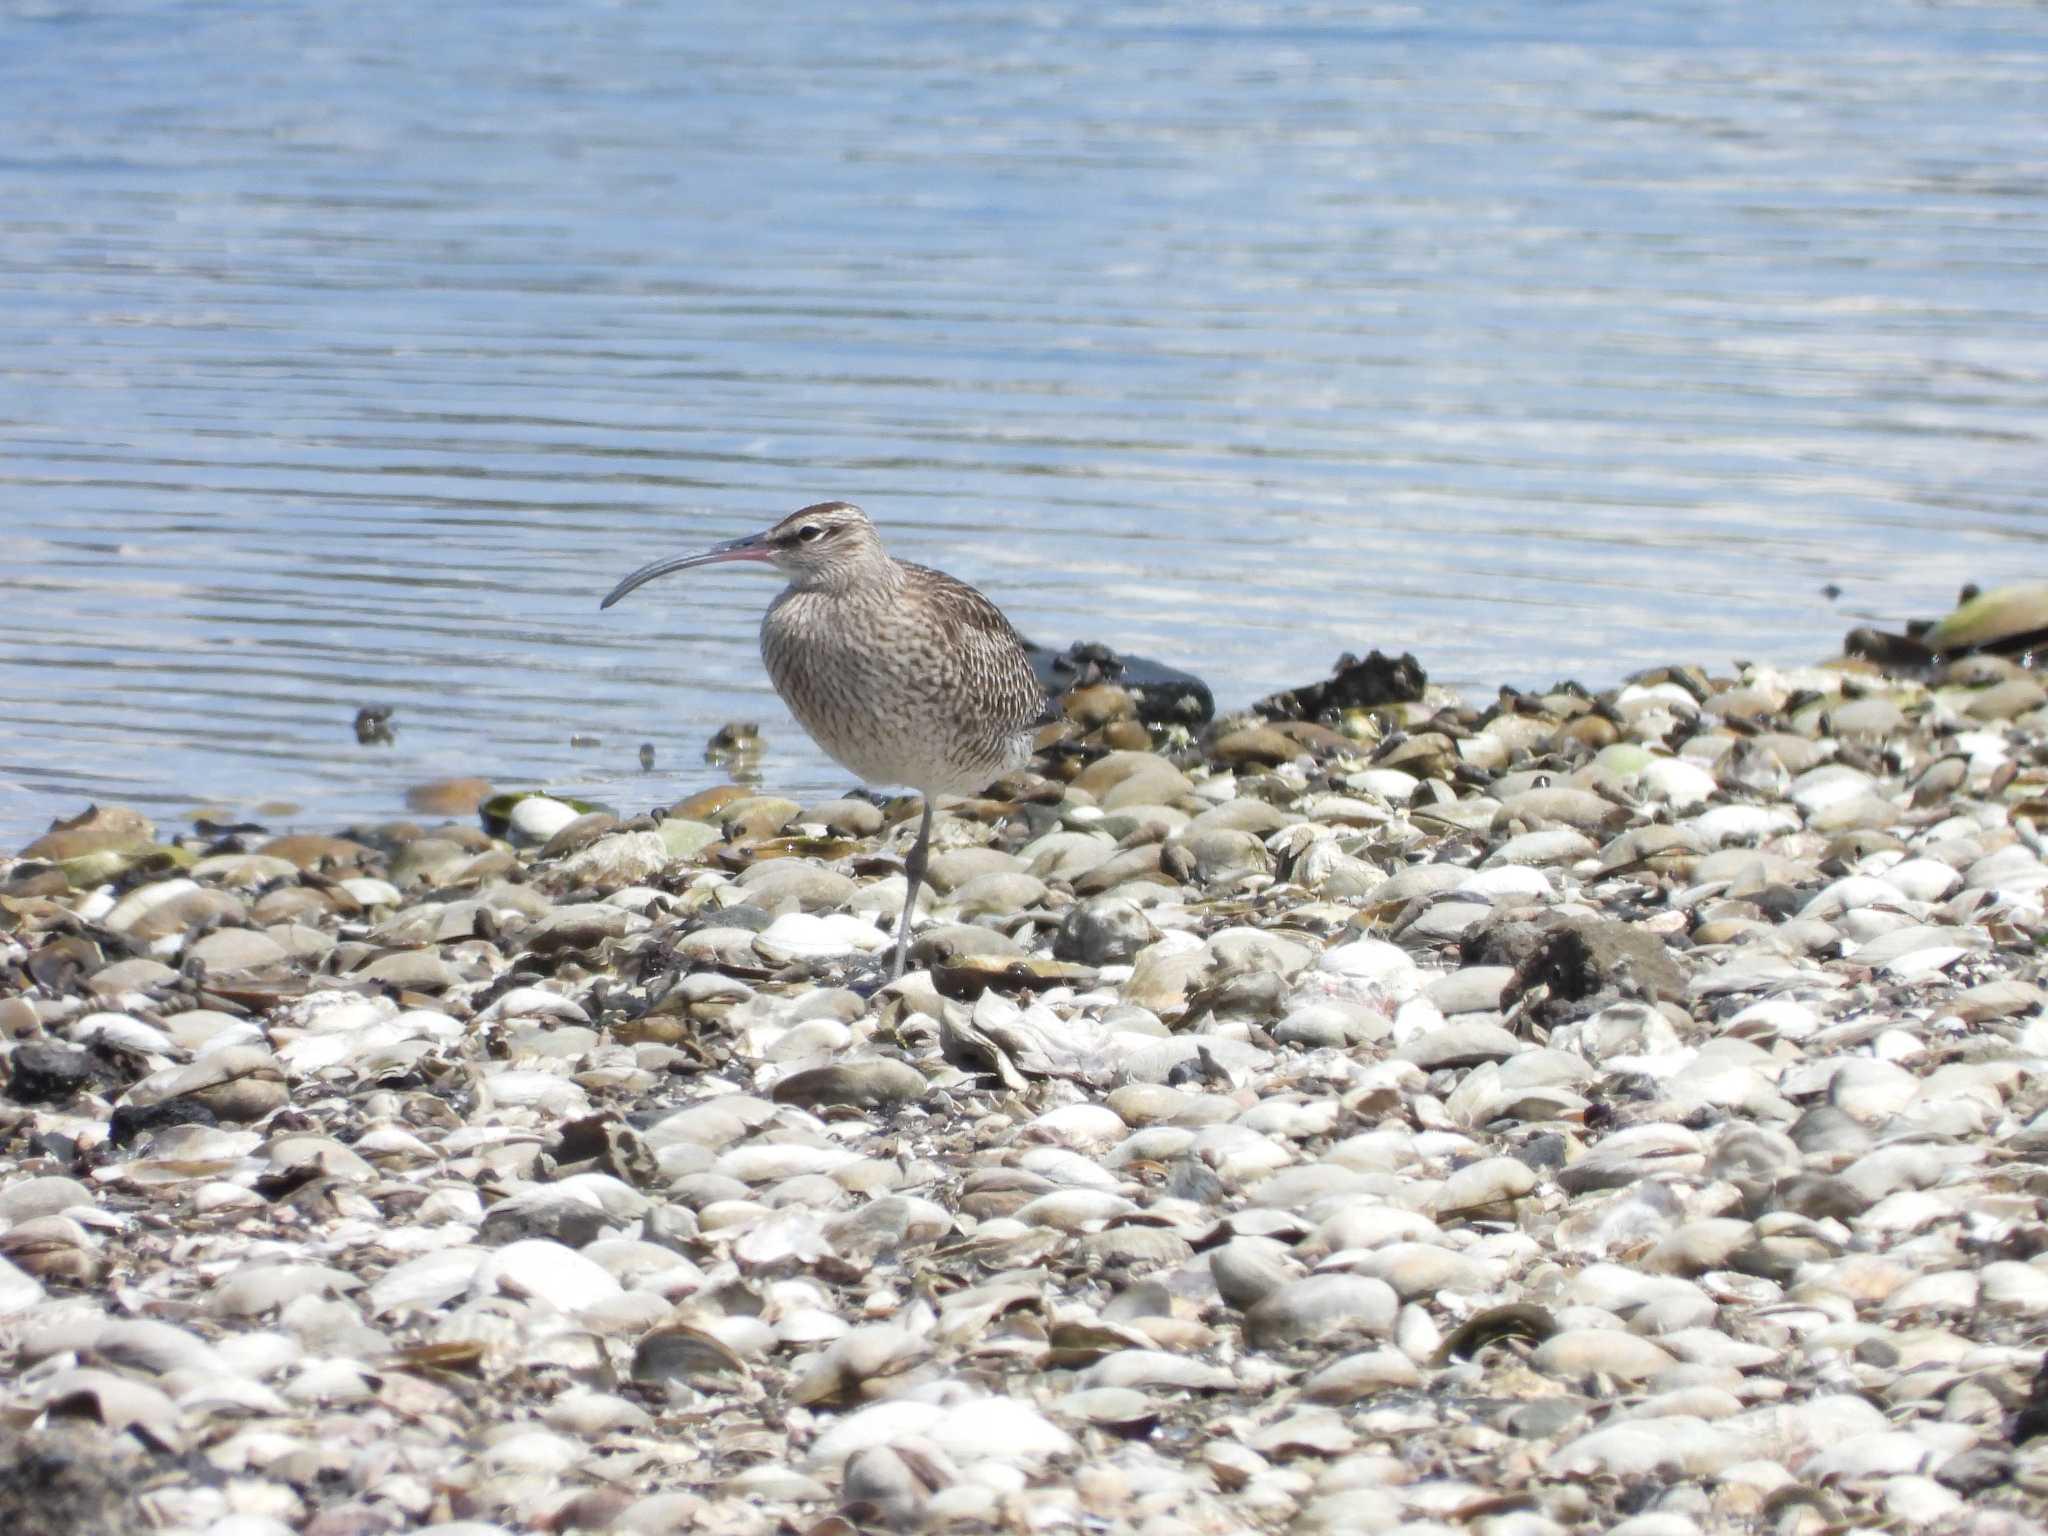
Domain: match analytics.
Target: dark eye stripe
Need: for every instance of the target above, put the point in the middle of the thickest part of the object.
(805, 533)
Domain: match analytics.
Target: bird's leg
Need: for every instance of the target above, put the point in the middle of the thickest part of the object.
(913, 875)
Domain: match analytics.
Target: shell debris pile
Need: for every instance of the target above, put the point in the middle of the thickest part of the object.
(1616, 1112)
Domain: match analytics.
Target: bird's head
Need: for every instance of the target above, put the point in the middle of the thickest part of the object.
(822, 545)
(827, 545)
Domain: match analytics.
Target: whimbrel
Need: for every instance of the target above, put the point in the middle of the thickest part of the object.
(904, 676)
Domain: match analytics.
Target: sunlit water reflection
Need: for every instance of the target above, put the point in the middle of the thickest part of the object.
(349, 354)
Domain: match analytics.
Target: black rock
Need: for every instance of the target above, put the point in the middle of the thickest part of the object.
(1576, 957)
(1379, 679)
(374, 727)
(1895, 653)
(572, 1225)
(68, 1477)
(131, 1121)
(2032, 1419)
(1980, 1469)
(46, 1072)
(1164, 695)
(58, 1147)
(2006, 621)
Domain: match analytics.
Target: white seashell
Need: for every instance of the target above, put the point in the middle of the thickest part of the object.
(1076, 1125)
(1830, 784)
(18, 1291)
(119, 1029)
(1375, 963)
(535, 1450)
(144, 899)
(536, 818)
(119, 1402)
(532, 1003)
(540, 1270)
(427, 1281)
(1508, 882)
(1675, 782)
(1070, 1168)
(781, 1237)
(370, 891)
(548, 1092)
(333, 1011)
(1726, 826)
(770, 1162)
(809, 935)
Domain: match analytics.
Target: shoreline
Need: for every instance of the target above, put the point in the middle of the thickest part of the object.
(791, 764)
(1625, 1105)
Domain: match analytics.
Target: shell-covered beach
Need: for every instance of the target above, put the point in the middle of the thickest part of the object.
(1607, 1111)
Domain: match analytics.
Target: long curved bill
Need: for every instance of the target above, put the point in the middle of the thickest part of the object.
(753, 547)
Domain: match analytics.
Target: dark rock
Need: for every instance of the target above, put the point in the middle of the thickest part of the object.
(1379, 679)
(1543, 1153)
(1103, 930)
(131, 1121)
(2006, 621)
(63, 1480)
(1640, 1495)
(572, 1225)
(58, 1147)
(1189, 1178)
(1199, 1070)
(1627, 1088)
(2032, 1419)
(1895, 653)
(1576, 957)
(1164, 695)
(374, 727)
(45, 1072)
(1981, 1469)
(605, 1144)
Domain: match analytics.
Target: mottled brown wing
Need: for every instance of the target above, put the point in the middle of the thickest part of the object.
(989, 649)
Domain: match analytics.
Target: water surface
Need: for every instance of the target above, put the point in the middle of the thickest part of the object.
(349, 354)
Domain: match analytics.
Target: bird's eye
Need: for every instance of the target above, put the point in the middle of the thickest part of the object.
(810, 533)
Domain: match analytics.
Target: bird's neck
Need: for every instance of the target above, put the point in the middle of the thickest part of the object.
(874, 574)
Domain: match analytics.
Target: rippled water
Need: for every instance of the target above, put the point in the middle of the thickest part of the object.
(348, 354)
